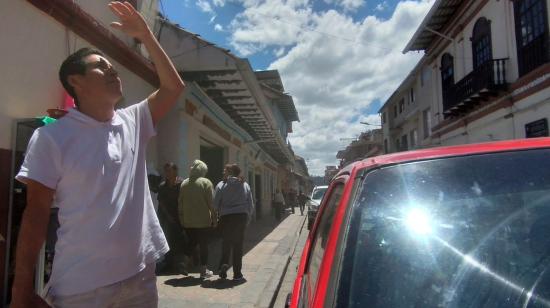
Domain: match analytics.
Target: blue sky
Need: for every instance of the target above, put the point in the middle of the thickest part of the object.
(187, 14)
(339, 59)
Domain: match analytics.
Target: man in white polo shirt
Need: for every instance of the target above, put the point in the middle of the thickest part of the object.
(92, 163)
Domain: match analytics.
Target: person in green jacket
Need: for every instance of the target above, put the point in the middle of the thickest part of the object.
(196, 213)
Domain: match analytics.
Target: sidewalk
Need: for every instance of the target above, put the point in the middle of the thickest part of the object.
(268, 246)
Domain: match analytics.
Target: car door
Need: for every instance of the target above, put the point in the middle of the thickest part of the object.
(319, 238)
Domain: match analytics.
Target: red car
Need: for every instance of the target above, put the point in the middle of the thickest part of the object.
(462, 226)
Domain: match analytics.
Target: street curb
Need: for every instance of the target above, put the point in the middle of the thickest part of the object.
(280, 279)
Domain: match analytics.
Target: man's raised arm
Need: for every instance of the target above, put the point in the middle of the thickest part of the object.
(171, 85)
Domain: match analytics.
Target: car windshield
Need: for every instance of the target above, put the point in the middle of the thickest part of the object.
(470, 231)
(318, 193)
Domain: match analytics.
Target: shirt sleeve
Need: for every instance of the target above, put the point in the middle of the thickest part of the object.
(42, 161)
(144, 120)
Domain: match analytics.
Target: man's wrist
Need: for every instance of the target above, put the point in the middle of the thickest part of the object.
(146, 37)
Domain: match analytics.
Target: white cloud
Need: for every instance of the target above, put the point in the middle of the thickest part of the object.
(272, 22)
(347, 5)
(212, 19)
(218, 27)
(382, 6)
(204, 6)
(279, 52)
(219, 3)
(334, 67)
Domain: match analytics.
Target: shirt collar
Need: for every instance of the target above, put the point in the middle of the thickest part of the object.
(85, 119)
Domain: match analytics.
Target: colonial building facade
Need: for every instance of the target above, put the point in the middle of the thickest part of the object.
(368, 144)
(484, 76)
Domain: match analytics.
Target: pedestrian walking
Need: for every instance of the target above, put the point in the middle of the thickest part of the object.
(279, 204)
(92, 162)
(168, 193)
(292, 200)
(302, 199)
(197, 214)
(234, 202)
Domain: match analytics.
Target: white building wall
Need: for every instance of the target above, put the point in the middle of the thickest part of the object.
(503, 124)
(532, 108)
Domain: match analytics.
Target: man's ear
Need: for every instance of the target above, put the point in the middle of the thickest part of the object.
(75, 81)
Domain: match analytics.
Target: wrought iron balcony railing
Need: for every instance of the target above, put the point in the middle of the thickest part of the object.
(486, 80)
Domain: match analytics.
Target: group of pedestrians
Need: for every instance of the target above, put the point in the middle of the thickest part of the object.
(192, 213)
(282, 201)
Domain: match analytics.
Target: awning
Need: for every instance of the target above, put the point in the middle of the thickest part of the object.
(435, 21)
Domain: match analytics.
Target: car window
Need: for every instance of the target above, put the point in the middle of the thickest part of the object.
(318, 193)
(468, 231)
(321, 234)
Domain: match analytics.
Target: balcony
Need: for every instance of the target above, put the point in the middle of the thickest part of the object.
(487, 80)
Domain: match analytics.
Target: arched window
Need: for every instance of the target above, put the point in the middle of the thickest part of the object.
(481, 42)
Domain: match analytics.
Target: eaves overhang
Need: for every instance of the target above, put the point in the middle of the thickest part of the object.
(232, 84)
(432, 25)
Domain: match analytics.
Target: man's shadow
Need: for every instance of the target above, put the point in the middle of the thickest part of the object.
(190, 281)
(187, 281)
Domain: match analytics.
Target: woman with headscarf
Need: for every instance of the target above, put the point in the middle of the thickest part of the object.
(196, 212)
(234, 202)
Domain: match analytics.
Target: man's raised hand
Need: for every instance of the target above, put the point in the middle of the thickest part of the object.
(131, 22)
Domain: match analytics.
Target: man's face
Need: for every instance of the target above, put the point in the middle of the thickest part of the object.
(100, 81)
(171, 173)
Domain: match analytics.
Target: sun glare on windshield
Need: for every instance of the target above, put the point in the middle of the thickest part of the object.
(418, 221)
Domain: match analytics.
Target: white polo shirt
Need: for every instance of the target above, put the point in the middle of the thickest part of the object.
(108, 227)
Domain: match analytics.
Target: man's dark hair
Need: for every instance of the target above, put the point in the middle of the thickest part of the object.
(171, 165)
(75, 65)
(233, 169)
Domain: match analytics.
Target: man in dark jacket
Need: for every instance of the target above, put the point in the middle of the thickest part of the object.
(168, 193)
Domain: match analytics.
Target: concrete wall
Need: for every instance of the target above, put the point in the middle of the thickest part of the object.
(504, 124)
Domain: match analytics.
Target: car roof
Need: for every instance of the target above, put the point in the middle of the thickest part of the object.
(448, 151)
